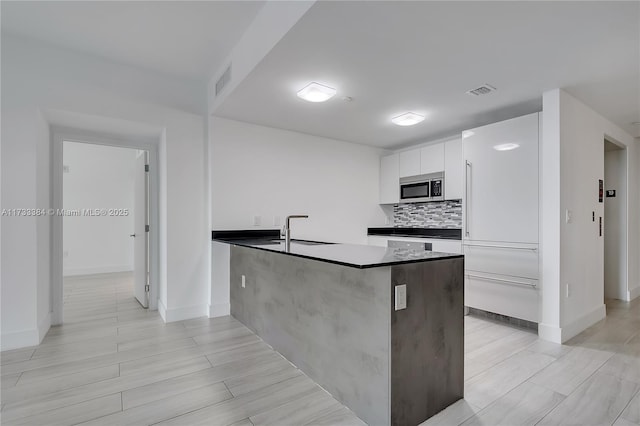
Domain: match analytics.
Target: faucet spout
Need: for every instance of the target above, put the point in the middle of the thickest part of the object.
(287, 229)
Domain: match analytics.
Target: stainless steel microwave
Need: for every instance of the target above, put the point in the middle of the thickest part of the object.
(422, 188)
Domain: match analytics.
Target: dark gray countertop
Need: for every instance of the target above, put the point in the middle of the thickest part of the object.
(354, 255)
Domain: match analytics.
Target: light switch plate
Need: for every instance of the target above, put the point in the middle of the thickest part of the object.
(244, 282)
(401, 297)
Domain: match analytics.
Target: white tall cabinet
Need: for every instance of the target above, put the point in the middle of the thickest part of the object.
(389, 179)
(500, 227)
(453, 169)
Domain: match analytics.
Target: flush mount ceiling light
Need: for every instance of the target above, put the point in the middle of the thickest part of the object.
(506, 146)
(467, 134)
(407, 119)
(316, 92)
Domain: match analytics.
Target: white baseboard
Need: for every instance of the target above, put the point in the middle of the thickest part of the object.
(19, 339)
(43, 326)
(70, 272)
(556, 334)
(182, 313)
(162, 310)
(581, 324)
(25, 338)
(219, 310)
(550, 333)
(633, 293)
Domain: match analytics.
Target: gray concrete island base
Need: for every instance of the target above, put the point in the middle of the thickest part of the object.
(337, 324)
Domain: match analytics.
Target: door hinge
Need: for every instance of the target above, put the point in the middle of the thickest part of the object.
(146, 167)
(146, 288)
(146, 228)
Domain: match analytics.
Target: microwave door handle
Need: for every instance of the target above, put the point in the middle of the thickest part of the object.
(467, 197)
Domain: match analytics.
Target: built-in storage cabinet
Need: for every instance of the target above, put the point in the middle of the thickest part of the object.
(500, 226)
(432, 159)
(389, 179)
(410, 163)
(453, 170)
(502, 181)
(444, 156)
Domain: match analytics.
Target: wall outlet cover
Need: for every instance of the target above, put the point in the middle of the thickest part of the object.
(401, 297)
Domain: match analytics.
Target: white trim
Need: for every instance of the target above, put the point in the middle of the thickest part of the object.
(43, 327)
(584, 322)
(59, 135)
(183, 313)
(550, 333)
(162, 310)
(633, 293)
(92, 270)
(555, 334)
(19, 339)
(219, 310)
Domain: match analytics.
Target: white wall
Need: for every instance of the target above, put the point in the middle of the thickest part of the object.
(267, 172)
(36, 79)
(573, 253)
(98, 177)
(615, 224)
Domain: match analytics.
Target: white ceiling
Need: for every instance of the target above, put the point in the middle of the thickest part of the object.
(184, 38)
(393, 57)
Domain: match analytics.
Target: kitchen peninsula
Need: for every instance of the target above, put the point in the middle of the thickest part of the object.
(380, 328)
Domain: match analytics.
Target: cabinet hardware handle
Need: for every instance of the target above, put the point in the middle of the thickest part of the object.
(467, 200)
(500, 280)
(502, 247)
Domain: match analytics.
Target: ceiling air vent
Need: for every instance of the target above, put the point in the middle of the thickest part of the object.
(482, 90)
(223, 80)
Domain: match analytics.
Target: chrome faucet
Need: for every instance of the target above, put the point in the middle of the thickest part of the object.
(286, 231)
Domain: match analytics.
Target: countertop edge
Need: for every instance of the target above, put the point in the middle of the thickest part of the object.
(337, 262)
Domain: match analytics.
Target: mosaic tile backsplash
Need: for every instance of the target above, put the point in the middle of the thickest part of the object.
(442, 214)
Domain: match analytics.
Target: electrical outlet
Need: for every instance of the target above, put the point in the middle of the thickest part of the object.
(387, 221)
(257, 220)
(401, 297)
(569, 216)
(66, 254)
(276, 221)
(244, 282)
(568, 290)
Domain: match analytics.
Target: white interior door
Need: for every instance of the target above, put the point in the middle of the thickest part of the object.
(141, 232)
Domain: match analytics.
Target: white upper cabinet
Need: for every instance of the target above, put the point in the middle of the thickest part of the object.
(453, 170)
(432, 159)
(410, 163)
(389, 179)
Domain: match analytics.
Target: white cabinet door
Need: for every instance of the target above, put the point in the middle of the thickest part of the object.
(432, 159)
(389, 179)
(453, 170)
(410, 163)
(501, 201)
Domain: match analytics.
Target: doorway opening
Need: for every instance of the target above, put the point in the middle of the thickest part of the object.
(105, 232)
(615, 221)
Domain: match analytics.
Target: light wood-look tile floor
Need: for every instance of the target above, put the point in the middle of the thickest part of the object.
(114, 363)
